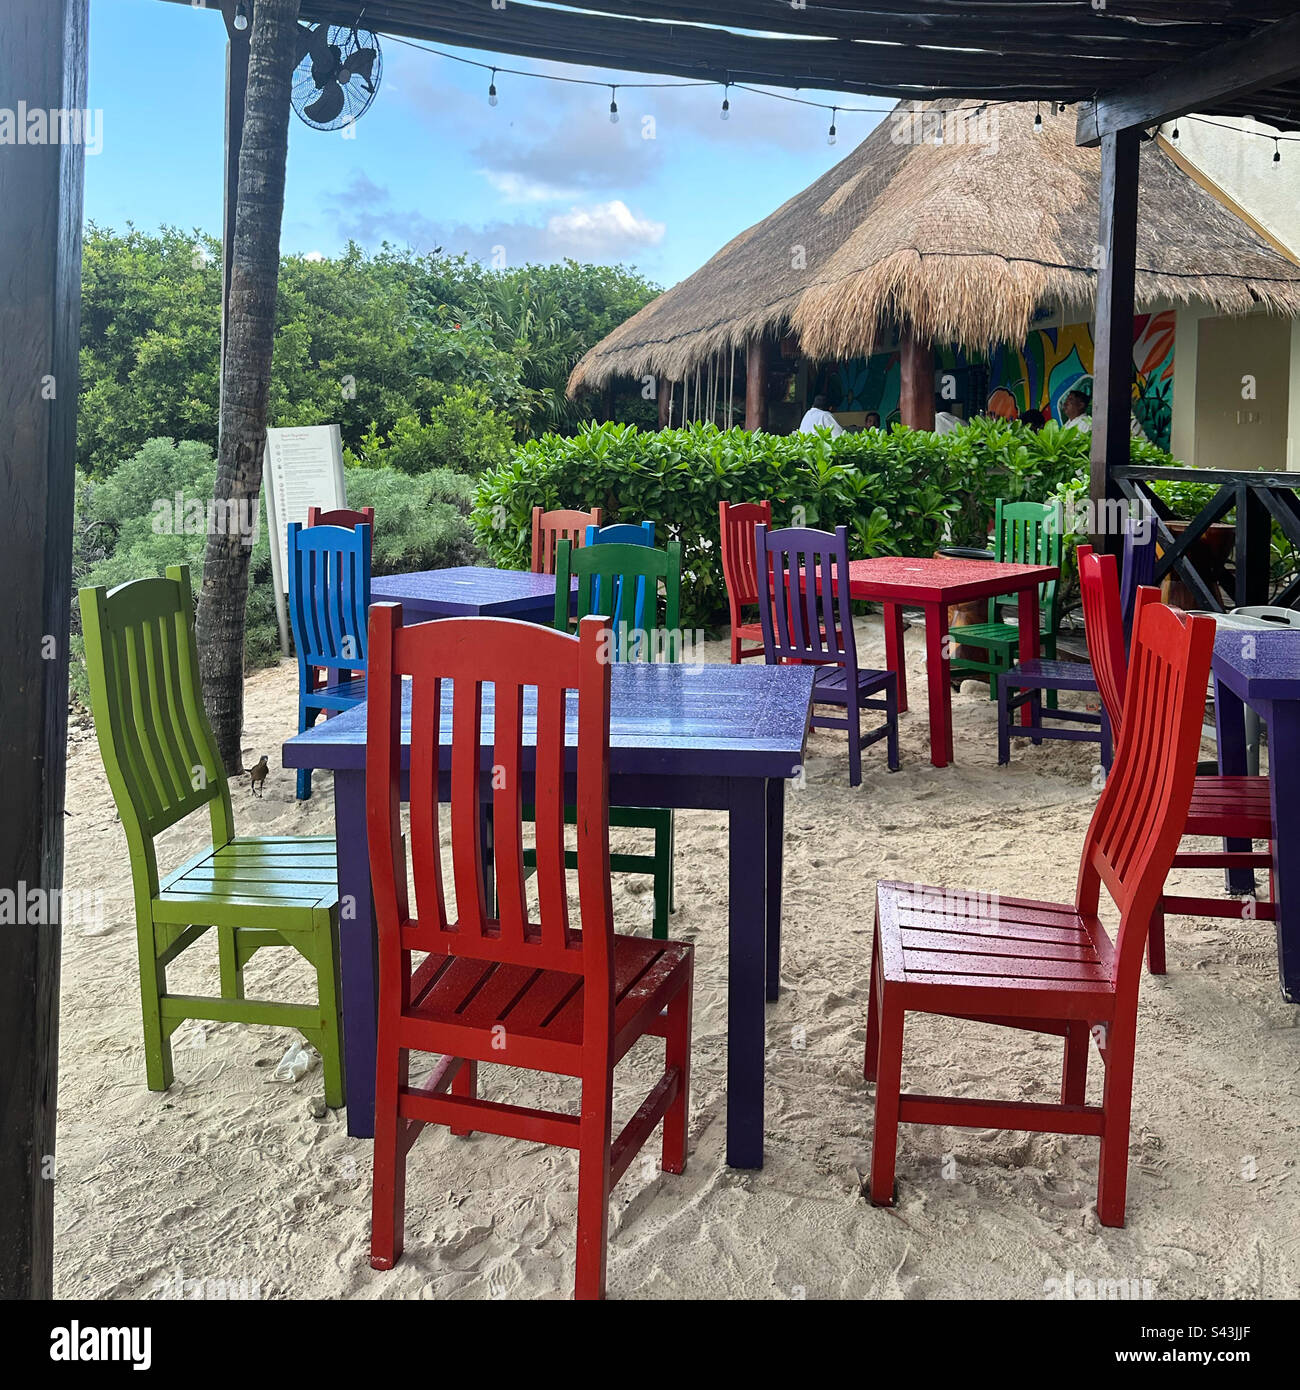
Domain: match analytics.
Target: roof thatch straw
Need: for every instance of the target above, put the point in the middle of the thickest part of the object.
(960, 242)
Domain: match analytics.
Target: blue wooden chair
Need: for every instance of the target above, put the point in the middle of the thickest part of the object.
(803, 602)
(1027, 681)
(329, 600)
(622, 533)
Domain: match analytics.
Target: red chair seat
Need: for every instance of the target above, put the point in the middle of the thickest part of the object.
(543, 1006)
(1237, 807)
(993, 955)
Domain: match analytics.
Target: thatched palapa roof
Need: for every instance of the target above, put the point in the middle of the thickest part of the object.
(960, 241)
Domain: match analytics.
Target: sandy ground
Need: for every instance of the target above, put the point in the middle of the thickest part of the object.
(242, 1186)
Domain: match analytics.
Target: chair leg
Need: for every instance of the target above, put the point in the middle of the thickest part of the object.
(891, 725)
(306, 718)
(663, 875)
(157, 1041)
(1036, 713)
(1107, 742)
(1117, 1100)
(871, 1061)
(854, 713)
(331, 1046)
(232, 973)
(388, 1204)
(1004, 720)
(1156, 941)
(1074, 1074)
(465, 1084)
(889, 1077)
(593, 1185)
(677, 1053)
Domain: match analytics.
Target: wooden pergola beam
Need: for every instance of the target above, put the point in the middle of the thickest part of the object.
(42, 62)
(1269, 58)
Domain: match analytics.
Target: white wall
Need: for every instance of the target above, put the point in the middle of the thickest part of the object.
(1242, 166)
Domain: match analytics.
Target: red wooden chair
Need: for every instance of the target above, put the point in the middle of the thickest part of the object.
(318, 677)
(1052, 967)
(342, 516)
(736, 523)
(1227, 807)
(549, 528)
(537, 994)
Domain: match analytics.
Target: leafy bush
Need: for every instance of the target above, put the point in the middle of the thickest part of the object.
(902, 492)
(464, 434)
(125, 528)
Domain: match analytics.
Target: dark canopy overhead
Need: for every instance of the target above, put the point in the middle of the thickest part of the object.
(1066, 50)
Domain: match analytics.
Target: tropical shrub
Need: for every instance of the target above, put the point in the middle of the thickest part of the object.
(902, 492)
(464, 434)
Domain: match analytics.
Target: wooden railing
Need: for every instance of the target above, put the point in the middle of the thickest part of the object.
(1257, 501)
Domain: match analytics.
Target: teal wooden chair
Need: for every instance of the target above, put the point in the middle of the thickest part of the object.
(606, 571)
(162, 764)
(1024, 533)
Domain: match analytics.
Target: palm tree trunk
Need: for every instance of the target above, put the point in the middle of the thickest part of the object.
(246, 367)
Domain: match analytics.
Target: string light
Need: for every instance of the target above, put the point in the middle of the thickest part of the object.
(831, 134)
(241, 17)
(726, 102)
(613, 106)
(1277, 153)
(492, 90)
(1038, 120)
(1175, 132)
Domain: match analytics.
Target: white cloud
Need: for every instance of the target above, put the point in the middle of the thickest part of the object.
(519, 188)
(603, 227)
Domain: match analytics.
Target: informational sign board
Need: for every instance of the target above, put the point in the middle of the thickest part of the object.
(304, 468)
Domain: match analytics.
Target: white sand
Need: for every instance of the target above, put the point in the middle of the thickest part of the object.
(232, 1179)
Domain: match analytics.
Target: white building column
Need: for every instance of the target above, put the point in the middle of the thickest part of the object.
(1182, 433)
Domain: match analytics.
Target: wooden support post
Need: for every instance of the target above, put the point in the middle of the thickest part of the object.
(916, 386)
(756, 365)
(1253, 559)
(1112, 371)
(663, 394)
(42, 63)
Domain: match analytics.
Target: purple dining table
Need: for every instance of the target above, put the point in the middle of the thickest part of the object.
(469, 591)
(1262, 669)
(712, 737)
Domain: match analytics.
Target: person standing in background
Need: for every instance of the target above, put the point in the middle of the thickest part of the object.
(820, 418)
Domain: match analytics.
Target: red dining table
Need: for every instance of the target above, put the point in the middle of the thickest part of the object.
(902, 581)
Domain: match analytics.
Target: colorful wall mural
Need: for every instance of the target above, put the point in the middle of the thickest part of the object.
(1037, 375)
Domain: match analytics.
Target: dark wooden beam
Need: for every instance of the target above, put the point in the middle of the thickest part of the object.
(1268, 58)
(916, 383)
(757, 358)
(42, 62)
(1112, 371)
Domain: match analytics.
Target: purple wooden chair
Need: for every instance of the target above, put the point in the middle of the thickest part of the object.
(807, 618)
(1025, 683)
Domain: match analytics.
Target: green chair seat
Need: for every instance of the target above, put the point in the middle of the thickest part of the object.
(162, 764)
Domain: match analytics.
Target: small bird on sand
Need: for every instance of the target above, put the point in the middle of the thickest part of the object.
(257, 775)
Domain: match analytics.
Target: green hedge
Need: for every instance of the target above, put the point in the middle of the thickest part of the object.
(900, 493)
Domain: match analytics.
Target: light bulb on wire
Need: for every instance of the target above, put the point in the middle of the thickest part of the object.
(492, 90)
(726, 104)
(831, 134)
(613, 106)
(241, 17)
(1038, 121)
(1277, 153)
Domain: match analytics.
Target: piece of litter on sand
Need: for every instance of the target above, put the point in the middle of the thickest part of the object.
(295, 1063)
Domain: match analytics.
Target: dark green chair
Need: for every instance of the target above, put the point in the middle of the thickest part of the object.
(655, 577)
(1024, 533)
(162, 764)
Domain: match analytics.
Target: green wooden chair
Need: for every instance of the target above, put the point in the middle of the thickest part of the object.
(162, 764)
(1024, 533)
(655, 576)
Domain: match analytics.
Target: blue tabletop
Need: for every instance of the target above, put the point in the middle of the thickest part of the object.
(1259, 664)
(674, 720)
(467, 590)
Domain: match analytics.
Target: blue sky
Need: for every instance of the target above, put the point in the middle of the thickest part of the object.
(543, 175)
